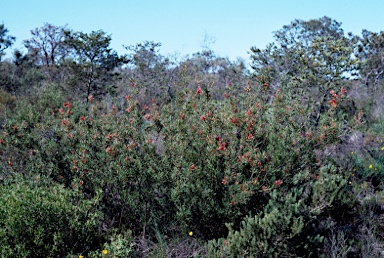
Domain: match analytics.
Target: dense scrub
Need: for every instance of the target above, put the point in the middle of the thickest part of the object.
(211, 163)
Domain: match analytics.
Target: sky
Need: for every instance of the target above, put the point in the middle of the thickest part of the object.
(183, 27)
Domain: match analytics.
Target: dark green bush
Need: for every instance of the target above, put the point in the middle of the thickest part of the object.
(46, 221)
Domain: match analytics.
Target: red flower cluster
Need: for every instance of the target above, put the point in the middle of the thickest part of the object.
(199, 90)
(67, 104)
(335, 97)
(278, 182)
(65, 121)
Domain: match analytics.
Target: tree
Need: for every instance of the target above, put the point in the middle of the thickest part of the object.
(370, 52)
(313, 52)
(46, 45)
(310, 58)
(155, 73)
(6, 41)
(93, 62)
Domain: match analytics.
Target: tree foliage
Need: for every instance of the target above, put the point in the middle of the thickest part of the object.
(312, 54)
(5, 40)
(369, 50)
(46, 45)
(92, 62)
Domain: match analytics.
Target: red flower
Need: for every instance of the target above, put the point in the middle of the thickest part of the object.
(226, 95)
(333, 94)
(264, 188)
(130, 120)
(255, 180)
(109, 150)
(332, 102)
(234, 120)
(221, 147)
(224, 181)
(308, 135)
(250, 137)
(67, 104)
(74, 168)
(199, 90)
(192, 167)
(203, 118)
(127, 97)
(278, 182)
(69, 135)
(65, 121)
(90, 97)
(82, 118)
(148, 116)
(232, 202)
(61, 111)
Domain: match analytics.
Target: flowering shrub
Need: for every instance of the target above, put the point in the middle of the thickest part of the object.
(250, 171)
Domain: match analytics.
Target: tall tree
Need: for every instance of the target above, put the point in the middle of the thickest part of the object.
(310, 58)
(312, 53)
(6, 41)
(46, 45)
(93, 62)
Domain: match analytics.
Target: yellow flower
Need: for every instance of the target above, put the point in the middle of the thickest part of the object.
(105, 251)
(190, 233)
(352, 152)
(382, 148)
(370, 166)
(80, 256)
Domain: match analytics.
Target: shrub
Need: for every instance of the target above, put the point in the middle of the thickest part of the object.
(46, 222)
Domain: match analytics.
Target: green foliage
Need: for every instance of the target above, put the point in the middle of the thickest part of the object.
(93, 62)
(50, 222)
(5, 40)
(265, 167)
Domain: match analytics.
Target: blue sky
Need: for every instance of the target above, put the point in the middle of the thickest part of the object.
(231, 27)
